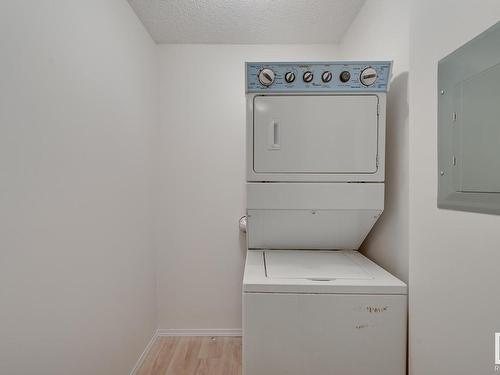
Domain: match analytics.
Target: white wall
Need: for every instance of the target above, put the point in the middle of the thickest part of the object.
(201, 252)
(77, 111)
(454, 256)
(381, 32)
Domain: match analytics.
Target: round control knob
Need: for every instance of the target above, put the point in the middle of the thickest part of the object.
(368, 76)
(266, 77)
(326, 76)
(308, 76)
(345, 76)
(290, 77)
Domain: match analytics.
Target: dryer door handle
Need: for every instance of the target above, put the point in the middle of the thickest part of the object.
(274, 135)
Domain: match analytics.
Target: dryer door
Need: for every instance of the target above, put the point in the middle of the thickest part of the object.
(315, 134)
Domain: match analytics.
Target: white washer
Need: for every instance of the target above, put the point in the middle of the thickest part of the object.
(321, 312)
(315, 182)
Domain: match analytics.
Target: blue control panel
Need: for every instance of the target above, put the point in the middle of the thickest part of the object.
(365, 76)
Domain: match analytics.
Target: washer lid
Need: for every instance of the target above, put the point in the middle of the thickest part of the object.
(318, 272)
(317, 265)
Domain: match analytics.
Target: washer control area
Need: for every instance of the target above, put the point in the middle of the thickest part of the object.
(321, 77)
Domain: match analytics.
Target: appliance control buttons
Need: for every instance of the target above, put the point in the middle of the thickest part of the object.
(290, 77)
(326, 76)
(308, 76)
(345, 76)
(266, 77)
(368, 76)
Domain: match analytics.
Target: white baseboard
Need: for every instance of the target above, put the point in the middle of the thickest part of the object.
(139, 362)
(200, 332)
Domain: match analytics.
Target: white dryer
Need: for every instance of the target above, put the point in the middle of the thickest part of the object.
(315, 188)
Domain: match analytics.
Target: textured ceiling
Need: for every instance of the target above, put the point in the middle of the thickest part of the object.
(247, 21)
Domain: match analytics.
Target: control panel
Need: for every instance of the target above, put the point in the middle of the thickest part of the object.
(318, 76)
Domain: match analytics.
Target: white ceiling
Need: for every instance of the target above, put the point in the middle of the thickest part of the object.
(247, 21)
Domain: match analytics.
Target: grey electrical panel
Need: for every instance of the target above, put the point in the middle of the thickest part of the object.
(469, 126)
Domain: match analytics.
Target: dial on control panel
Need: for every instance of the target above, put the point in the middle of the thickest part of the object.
(308, 76)
(368, 76)
(345, 76)
(326, 76)
(290, 77)
(266, 77)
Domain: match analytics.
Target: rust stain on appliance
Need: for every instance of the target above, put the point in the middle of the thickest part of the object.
(376, 309)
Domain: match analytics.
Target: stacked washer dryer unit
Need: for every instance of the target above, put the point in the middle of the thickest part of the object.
(312, 305)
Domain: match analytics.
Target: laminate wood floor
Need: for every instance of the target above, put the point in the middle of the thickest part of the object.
(193, 356)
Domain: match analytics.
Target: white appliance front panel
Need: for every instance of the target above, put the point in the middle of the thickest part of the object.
(309, 229)
(311, 215)
(320, 334)
(315, 134)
